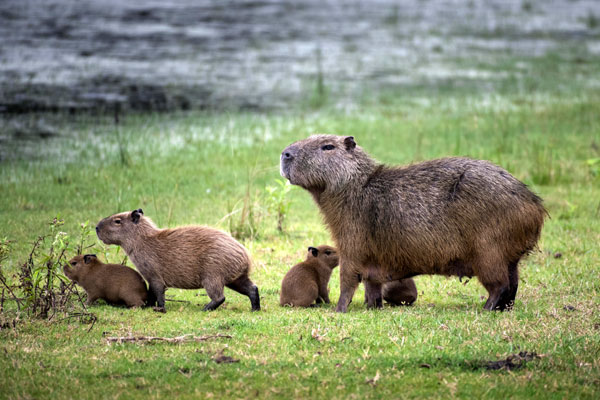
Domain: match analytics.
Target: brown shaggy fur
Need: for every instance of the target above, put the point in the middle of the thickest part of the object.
(307, 282)
(190, 257)
(114, 283)
(451, 216)
(402, 292)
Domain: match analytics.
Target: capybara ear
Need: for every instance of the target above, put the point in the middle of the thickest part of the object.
(349, 143)
(136, 215)
(88, 258)
(314, 251)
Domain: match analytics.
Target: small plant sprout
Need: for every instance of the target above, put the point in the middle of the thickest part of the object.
(278, 201)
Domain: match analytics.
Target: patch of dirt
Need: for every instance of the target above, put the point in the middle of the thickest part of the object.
(512, 362)
(223, 359)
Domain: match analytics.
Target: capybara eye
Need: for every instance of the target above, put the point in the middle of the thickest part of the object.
(117, 221)
(327, 252)
(73, 263)
(328, 147)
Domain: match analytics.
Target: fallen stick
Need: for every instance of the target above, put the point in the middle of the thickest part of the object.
(178, 301)
(177, 339)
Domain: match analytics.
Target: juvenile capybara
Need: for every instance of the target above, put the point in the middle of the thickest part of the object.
(451, 216)
(402, 292)
(114, 283)
(190, 257)
(306, 283)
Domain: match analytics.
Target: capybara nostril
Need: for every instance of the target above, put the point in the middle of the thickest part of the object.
(289, 153)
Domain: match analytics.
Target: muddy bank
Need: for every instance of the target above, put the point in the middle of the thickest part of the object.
(163, 55)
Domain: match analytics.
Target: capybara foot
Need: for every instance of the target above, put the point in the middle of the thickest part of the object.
(498, 300)
(214, 304)
(159, 309)
(254, 299)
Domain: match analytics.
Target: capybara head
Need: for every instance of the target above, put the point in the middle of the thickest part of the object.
(120, 227)
(326, 254)
(79, 265)
(324, 162)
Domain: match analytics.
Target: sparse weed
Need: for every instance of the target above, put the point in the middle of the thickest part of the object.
(278, 201)
(42, 290)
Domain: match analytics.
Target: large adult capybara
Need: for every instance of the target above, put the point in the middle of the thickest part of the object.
(306, 283)
(402, 292)
(114, 283)
(451, 216)
(190, 257)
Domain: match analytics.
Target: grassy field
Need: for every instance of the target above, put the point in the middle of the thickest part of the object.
(200, 168)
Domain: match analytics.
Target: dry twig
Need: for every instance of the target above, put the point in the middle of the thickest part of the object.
(178, 339)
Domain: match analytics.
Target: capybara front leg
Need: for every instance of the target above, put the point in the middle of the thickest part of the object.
(373, 294)
(348, 283)
(323, 292)
(215, 291)
(151, 299)
(157, 289)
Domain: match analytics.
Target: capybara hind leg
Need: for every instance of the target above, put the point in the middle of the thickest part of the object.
(513, 284)
(400, 293)
(133, 300)
(502, 294)
(215, 292)
(498, 294)
(91, 299)
(348, 283)
(373, 294)
(244, 285)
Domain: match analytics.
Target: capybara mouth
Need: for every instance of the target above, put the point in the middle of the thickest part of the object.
(284, 170)
(285, 162)
(99, 234)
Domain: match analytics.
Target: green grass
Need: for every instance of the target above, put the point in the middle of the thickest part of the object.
(197, 167)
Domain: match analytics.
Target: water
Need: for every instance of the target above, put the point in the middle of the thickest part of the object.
(164, 55)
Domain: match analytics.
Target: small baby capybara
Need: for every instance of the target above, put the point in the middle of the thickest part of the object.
(306, 283)
(451, 216)
(402, 292)
(190, 257)
(114, 283)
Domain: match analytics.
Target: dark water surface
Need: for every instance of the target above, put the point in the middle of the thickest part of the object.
(164, 55)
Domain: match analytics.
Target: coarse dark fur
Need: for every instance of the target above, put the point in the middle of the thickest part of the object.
(402, 292)
(306, 283)
(190, 257)
(114, 283)
(451, 216)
